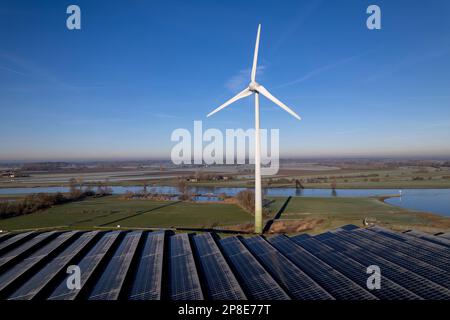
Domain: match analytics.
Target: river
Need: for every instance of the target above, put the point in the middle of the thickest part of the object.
(430, 200)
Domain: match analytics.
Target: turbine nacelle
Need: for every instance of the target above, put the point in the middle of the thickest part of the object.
(253, 86)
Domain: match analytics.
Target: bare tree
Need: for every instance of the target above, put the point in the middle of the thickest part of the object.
(246, 198)
(183, 189)
(333, 187)
(73, 188)
(145, 186)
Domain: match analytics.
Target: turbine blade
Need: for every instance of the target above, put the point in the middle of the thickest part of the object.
(255, 56)
(269, 96)
(244, 93)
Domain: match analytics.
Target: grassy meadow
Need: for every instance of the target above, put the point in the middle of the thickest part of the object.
(112, 211)
(302, 214)
(321, 214)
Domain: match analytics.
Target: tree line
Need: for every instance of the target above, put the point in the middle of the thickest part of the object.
(41, 201)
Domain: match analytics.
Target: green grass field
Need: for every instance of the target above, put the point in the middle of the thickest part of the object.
(330, 213)
(112, 211)
(310, 214)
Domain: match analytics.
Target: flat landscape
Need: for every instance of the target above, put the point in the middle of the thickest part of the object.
(302, 214)
(353, 175)
(317, 215)
(112, 211)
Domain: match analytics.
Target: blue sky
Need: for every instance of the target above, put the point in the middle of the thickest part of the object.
(137, 70)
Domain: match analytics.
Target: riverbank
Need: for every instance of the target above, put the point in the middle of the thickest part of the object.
(429, 200)
(302, 214)
(317, 215)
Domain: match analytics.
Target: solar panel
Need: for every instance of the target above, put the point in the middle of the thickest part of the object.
(349, 227)
(111, 280)
(40, 279)
(13, 274)
(256, 281)
(88, 264)
(404, 237)
(13, 241)
(25, 248)
(139, 265)
(294, 280)
(322, 236)
(431, 238)
(337, 284)
(356, 271)
(436, 258)
(4, 236)
(388, 233)
(220, 281)
(420, 267)
(184, 283)
(409, 280)
(148, 277)
(303, 236)
(445, 235)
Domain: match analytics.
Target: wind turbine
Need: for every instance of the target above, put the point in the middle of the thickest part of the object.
(256, 89)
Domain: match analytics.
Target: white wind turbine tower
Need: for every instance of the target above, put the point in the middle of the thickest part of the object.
(256, 88)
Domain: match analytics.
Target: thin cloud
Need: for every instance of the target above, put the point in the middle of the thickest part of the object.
(319, 71)
(32, 70)
(409, 61)
(12, 71)
(303, 14)
(242, 78)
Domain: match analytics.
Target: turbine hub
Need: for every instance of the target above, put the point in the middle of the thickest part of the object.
(253, 86)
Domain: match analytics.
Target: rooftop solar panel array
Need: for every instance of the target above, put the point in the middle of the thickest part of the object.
(445, 235)
(429, 237)
(14, 274)
(110, 283)
(12, 241)
(148, 276)
(88, 265)
(24, 248)
(221, 284)
(37, 282)
(396, 273)
(337, 284)
(415, 242)
(184, 280)
(349, 227)
(3, 236)
(394, 255)
(257, 281)
(297, 284)
(437, 258)
(356, 271)
(143, 265)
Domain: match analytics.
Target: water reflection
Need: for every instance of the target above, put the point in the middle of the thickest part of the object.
(431, 200)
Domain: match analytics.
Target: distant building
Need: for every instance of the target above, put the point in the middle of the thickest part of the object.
(8, 174)
(12, 174)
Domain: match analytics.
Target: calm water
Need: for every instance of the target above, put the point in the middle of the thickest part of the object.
(431, 200)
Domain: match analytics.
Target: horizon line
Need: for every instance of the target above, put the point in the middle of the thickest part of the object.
(165, 159)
